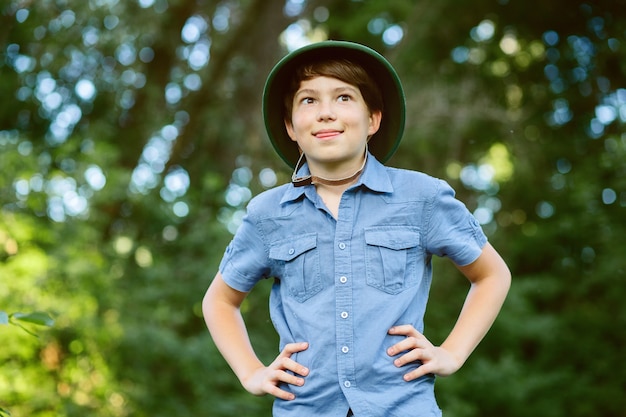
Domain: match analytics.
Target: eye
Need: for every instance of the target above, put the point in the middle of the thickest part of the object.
(307, 100)
(344, 97)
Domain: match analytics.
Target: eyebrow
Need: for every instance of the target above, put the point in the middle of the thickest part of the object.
(335, 90)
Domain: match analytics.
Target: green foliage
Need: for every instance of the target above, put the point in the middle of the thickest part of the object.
(17, 319)
(128, 153)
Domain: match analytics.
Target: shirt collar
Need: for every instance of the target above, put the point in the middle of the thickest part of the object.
(374, 177)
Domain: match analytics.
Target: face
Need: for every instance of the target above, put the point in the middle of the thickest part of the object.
(331, 123)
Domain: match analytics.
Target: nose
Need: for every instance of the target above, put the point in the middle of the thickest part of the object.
(326, 111)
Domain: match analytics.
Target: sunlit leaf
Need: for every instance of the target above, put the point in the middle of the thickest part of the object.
(39, 318)
(4, 318)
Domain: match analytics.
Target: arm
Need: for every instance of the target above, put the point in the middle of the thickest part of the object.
(490, 280)
(221, 309)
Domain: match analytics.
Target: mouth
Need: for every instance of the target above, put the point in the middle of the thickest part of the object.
(327, 133)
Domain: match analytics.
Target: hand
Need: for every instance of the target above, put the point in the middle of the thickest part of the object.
(265, 380)
(416, 347)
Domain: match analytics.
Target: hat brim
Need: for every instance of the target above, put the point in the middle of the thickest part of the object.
(383, 143)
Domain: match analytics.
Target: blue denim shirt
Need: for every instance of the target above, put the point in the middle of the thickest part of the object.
(340, 284)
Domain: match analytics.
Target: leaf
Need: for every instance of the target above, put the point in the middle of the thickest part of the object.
(4, 412)
(38, 317)
(4, 319)
(30, 332)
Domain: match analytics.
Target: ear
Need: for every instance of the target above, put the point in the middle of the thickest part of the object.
(375, 119)
(290, 131)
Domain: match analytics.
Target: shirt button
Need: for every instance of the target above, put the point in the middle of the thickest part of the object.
(291, 251)
(343, 280)
(345, 349)
(344, 314)
(342, 246)
(346, 384)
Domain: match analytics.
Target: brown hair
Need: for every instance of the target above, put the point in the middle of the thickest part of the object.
(341, 69)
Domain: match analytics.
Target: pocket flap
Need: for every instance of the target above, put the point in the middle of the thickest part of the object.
(288, 249)
(396, 238)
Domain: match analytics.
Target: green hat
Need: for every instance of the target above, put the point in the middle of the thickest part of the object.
(383, 143)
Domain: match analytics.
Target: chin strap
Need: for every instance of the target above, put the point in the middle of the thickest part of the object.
(312, 179)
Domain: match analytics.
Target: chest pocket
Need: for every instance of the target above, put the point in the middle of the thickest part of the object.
(298, 264)
(392, 256)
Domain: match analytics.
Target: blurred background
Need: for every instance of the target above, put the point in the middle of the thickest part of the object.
(131, 140)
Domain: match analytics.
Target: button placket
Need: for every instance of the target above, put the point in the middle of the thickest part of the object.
(343, 293)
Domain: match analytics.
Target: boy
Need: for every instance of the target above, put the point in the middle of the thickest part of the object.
(349, 244)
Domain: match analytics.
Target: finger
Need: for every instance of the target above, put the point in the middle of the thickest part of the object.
(279, 393)
(416, 355)
(272, 385)
(404, 330)
(293, 366)
(417, 373)
(287, 378)
(291, 348)
(408, 344)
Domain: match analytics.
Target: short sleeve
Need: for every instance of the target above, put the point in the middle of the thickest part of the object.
(245, 261)
(453, 231)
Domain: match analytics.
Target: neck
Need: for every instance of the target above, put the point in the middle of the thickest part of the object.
(313, 179)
